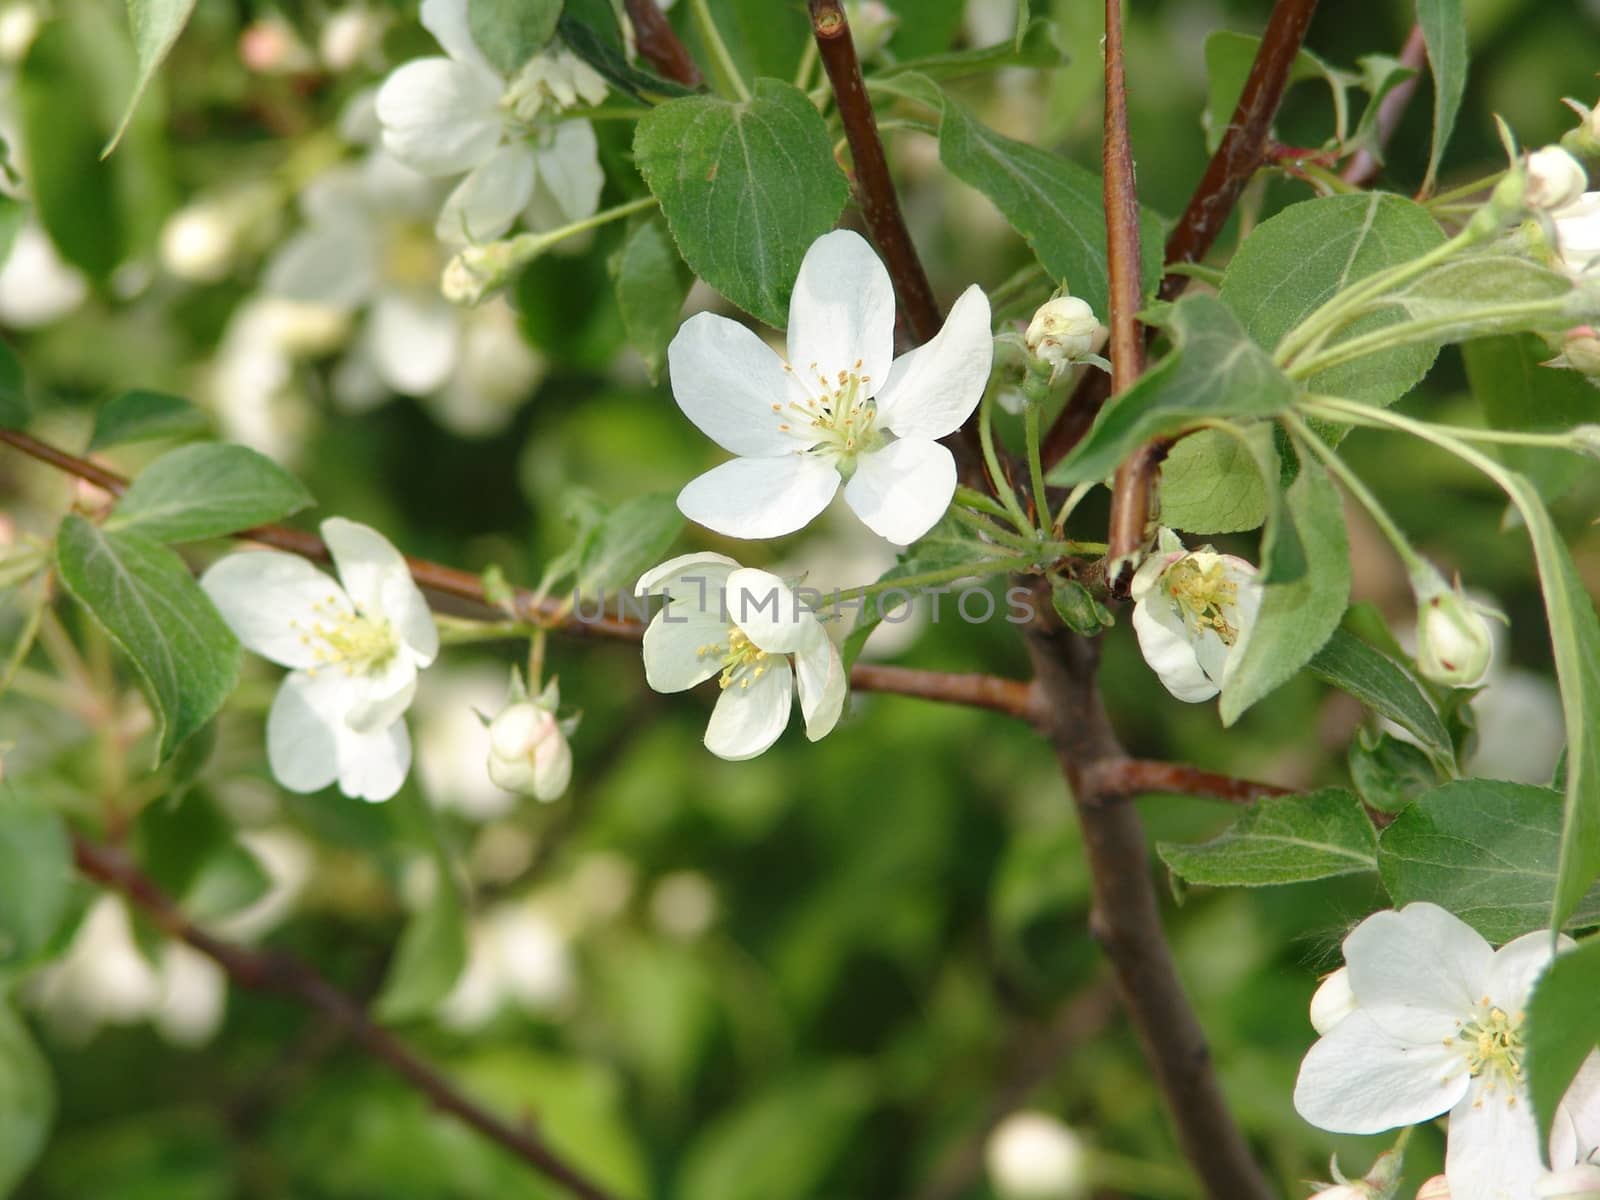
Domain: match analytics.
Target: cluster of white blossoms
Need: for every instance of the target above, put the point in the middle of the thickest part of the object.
(1426, 1018)
(458, 116)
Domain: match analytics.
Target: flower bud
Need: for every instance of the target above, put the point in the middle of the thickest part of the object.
(350, 37)
(1062, 331)
(1437, 1188)
(1586, 440)
(1577, 228)
(528, 753)
(1580, 350)
(1454, 643)
(1555, 179)
(199, 243)
(1033, 1156)
(1584, 141)
(1581, 1182)
(1333, 1001)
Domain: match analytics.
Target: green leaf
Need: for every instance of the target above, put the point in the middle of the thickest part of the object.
(1053, 203)
(14, 407)
(597, 39)
(1483, 849)
(652, 284)
(1563, 1028)
(1229, 57)
(1373, 678)
(27, 1101)
(1444, 31)
(142, 594)
(1039, 47)
(207, 490)
(35, 876)
(139, 416)
(1295, 261)
(1296, 619)
(632, 538)
(927, 27)
(510, 32)
(188, 847)
(1520, 395)
(1389, 774)
(1214, 370)
(156, 26)
(430, 958)
(1282, 839)
(746, 188)
(1210, 483)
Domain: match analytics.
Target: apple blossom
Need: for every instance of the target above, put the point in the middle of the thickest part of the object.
(1455, 645)
(1062, 331)
(836, 409)
(1555, 179)
(1577, 228)
(1436, 1028)
(354, 651)
(37, 287)
(1033, 1156)
(517, 957)
(445, 116)
(1581, 1182)
(528, 750)
(1191, 610)
(748, 628)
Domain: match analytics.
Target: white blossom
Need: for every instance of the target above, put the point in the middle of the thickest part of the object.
(1555, 179)
(1437, 1027)
(454, 114)
(517, 957)
(1191, 611)
(840, 407)
(746, 627)
(1033, 1156)
(37, 288)
(1577, 227)
(354, 652)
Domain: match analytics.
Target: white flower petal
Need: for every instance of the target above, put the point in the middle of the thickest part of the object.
(440, 116)
(486, 203)
(902, 490)
(760, 497)
(820, 680)
(383, 697)
(1493, 1148)
(379, 582)
(1168, 650)
(842, 310)
(1333, 1001)
(302, 744)
(373, 766)
(933, 389)
(1575, 1133)
(699, 576)
(262, 593)
(727, 381)
(447, 21)
(1517, 965)
(414, 340)
(1418, 971)
(334, 264)
(570, 178)
(747, 720)
(1359, 1079)
(769, 613)
(672, 658)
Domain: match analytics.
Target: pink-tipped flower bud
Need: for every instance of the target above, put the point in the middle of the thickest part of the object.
(528, 753)
(1555, 179)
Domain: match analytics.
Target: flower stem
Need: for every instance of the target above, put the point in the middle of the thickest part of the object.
(909, 583)
(727, 70)
(1307, 437)
(1074, 498)
(1035, 390)
(992, 461)
(479, 270)
(989, 529)
(30, 630)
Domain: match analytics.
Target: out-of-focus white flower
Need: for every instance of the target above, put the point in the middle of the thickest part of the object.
(271, 46)
(445, 116)
(1062, 331)
(1191, 610)
(251, 382)
(1437, 1028)
(36, 287)
(496, 371)
(872, 24)
(19, 25)
(288, 860)
(1555, 179)
(517, 957)
(104, 979)
(351, 37)
(748, 627)
(1581, 1182)
(602, 885)
(200, 242)
(840, 408)
(1577, 227)
(1033, 1156)
(354, 653)
(1455, 643)
(453, 742)
(1333, 1001)
(683, 904)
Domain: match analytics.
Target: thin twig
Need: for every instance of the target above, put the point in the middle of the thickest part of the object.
(1235, 161)
(1130, 493)
(659, 45)
(288, 976)
(1363, 165)
(992, 692)
(1128, 777)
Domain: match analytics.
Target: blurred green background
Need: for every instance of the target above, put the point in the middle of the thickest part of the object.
(820, 975)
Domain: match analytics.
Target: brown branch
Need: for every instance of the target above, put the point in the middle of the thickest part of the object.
(659, 45)
(287, 976)
(1127, 777)
(1363, 165)
(1235, 161)
(1126, 919)
(1010, 696)
(1130, 493)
